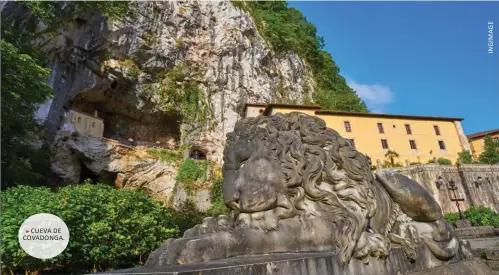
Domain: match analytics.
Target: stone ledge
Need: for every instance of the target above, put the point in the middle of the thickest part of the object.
(321, 263)
(476, 232)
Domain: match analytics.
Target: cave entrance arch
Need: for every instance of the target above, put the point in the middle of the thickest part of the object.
(197, 154)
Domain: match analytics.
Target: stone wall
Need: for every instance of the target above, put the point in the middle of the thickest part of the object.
(465, 178)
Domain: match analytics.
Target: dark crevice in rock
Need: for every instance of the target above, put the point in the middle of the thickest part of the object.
(88, 174)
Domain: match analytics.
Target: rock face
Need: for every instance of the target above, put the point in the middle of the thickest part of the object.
(118, 68)
(124, 166)
(109, 66)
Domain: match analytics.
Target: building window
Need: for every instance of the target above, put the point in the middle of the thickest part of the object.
(380, 128)
(78, 120)
(352, 142)
(348, 128)
(93, 124)
(408, 129)
(437, 130)
(384, 144)
(412, 143)
(441, 144)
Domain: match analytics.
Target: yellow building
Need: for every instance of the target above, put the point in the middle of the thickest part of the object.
(416, 139)
(86, 124)
(477, 141)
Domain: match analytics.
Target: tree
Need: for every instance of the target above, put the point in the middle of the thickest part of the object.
(24, 84)
(391, 155)
(465, 157)
(490, 154)
(24, 87)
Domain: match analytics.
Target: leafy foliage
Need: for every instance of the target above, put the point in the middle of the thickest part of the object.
(52, 13)
(182, 95)
(217, 200)
(391, 155)
(189, 172)
(24, 85)
(477, 215)
(167, 156)
(186, 216)
(465, 157)
(23, 88)
(287, 30)
(110, 228)
(490, 154)
(444, 161)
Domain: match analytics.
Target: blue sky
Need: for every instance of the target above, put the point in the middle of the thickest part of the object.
(416, 58)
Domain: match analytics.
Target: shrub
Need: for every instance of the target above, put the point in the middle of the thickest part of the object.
(465, 157)
(444, 161)
(480, 216)
(186, 216)
(490, 155)
(168, 156)
(452, 218)
(477, 215)
(217, 200)
(109, 228)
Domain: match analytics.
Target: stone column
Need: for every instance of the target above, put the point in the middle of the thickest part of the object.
(462, 137)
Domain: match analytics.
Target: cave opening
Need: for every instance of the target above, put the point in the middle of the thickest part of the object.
(123, 122)
(197, 155)
(86, 173)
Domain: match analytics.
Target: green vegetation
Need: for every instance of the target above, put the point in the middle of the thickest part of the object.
(182, 95)
(287, 30)
(167, 156)
(444, 161)
(190, 172)
(490, 154)
(23, 88)
(150, 38)
(51, 13)
(179, 42)
(465, 157)
(217, 200)
(391, 155)
(187, 216)
(110, 228)
(477, 215)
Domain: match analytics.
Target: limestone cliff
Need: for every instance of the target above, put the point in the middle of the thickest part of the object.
(127, 70)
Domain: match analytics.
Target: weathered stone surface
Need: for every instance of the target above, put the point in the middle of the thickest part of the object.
(91, 60)
(465, 178)
(477, 232)
(128, 167)
(322, 263)
(492, 253)
(463, 223)
(493, 264)
(294, 185)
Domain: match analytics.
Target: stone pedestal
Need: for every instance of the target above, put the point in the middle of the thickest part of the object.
(324, 263)
(463, 223)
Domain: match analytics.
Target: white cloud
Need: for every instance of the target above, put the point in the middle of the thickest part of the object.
(376, 96)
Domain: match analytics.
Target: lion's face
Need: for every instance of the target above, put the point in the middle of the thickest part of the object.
(257, 181)
(276, 166)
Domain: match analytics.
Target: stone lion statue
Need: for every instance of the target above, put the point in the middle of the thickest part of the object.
(294, 185)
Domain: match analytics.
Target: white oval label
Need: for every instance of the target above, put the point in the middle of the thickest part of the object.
(43, 236)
